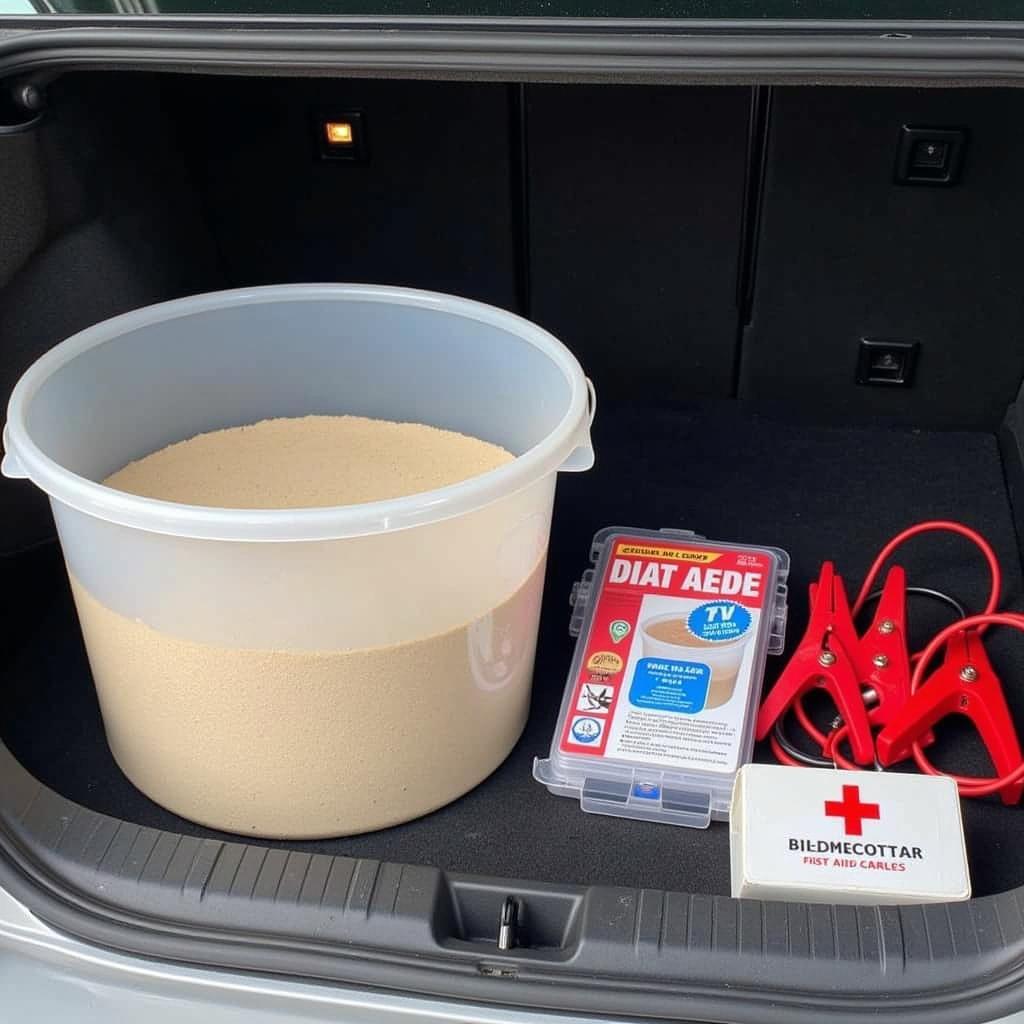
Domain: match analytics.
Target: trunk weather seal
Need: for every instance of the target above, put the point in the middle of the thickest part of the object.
(765, 53)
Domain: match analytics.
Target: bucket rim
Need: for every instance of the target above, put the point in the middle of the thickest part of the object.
(570, 435)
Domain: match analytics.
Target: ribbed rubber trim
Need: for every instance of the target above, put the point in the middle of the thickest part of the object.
(392, 926)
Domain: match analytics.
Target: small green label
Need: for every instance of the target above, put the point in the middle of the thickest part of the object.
(619, 629)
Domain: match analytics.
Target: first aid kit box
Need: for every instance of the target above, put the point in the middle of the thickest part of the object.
(672, 635)
(824, 836)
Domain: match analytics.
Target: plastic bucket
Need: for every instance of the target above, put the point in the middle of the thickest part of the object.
(305, 672)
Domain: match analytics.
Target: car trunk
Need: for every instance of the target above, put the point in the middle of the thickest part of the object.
(715, 255)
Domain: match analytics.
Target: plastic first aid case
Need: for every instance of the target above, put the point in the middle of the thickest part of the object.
(659, 710)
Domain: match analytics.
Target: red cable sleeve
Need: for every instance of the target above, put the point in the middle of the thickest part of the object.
(969, 785)
(932, 526)
(806, 724)
(782, 757)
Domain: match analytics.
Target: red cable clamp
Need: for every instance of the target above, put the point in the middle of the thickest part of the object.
(965, 684)
(829, 657)
(883, 650)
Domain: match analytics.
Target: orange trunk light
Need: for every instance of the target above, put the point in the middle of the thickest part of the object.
(339, 133)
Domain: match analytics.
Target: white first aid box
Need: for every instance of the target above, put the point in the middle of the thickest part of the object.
(824, 836)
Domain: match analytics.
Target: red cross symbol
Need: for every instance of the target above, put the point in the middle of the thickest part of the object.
(851, 810)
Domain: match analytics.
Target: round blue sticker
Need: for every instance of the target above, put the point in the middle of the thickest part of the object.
(586, 730)
(719, 620)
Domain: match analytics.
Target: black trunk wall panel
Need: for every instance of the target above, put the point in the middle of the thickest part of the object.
(846, 253)
(22, 202)
(110, 222)
(429, 208)
(635, 199)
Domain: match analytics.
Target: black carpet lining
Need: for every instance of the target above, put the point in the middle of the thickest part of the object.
(723, 469)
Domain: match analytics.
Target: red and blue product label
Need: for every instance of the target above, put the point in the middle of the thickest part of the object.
(667, 668)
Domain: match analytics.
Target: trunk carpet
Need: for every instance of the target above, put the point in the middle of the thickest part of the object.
(722, 469)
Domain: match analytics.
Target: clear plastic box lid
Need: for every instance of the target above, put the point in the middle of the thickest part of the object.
(658, 715)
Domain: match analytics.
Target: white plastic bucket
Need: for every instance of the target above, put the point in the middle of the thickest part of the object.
(318, 750)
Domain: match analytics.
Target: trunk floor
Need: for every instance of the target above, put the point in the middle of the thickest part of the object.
(722, 469)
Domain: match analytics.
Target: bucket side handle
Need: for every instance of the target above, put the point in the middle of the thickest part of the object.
(581, 457)
(11, 465)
